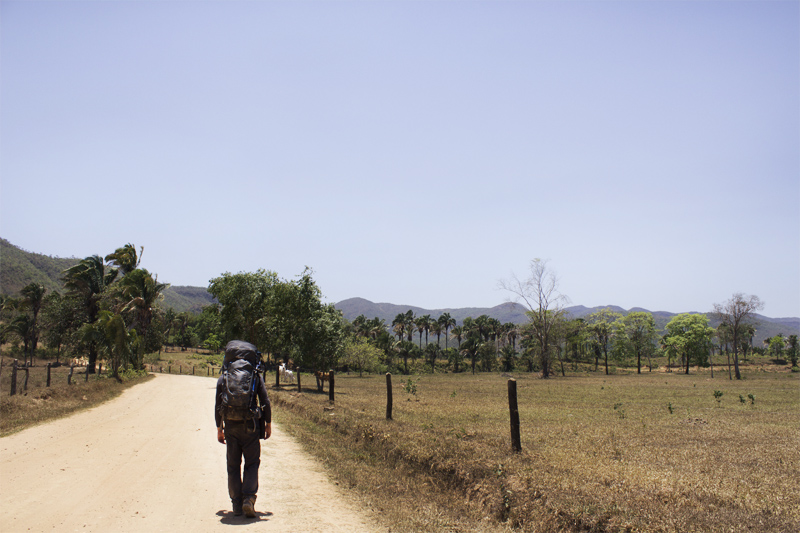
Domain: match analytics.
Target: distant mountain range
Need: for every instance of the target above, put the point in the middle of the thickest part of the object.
(19, 268)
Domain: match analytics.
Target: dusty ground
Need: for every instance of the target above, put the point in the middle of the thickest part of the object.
(149, 461)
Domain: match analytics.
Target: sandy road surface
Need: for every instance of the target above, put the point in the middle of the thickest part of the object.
(149, 461)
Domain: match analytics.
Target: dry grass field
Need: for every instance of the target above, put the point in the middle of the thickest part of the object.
(653, 452)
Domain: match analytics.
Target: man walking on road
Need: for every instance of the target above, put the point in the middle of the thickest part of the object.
(243, 415)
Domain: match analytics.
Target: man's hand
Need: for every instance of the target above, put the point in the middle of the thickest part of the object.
(268, 430)
(221, 435)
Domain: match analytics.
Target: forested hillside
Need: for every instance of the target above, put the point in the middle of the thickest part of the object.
(19, 268)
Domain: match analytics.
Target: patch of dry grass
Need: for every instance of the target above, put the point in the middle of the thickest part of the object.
(655, 452)
(41, 404)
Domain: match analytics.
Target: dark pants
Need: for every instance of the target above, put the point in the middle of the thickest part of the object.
(242, 440)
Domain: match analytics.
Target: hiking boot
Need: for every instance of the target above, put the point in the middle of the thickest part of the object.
(249, 507)
(237, 509)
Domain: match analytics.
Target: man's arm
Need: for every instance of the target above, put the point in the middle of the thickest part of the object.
(217, 413)
(266, 408)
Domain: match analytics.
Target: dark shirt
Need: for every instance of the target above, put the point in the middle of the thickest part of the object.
(261, 392)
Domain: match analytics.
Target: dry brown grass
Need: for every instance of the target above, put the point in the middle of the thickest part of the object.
(600, 453)
(41, 404)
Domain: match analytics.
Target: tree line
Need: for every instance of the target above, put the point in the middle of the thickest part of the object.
(110, 310)
(551, 341)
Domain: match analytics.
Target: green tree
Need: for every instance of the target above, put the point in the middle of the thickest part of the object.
(457, 334)
(508, 357)
(140, 292)
(777, 345)
(447, 323)
(431, 353)
(88, 281)
(690, 336)
(601, 325)
(639, 336)
(115, 340)
(470, 350)
(738, 314)
(125, 259)
(61, 317)
(33, 299)
(793, 350)
(246, 302)
(360, 355)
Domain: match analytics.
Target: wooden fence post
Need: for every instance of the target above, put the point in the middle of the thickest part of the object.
(48, 374)
(69, 377)
(99, 369)
(25, 384)
(388, 396)
(14, 378)
(277, 378)
(193, 370)
(86, 379)
(169, 369)
(330, 387)
(513, 409)
(298, 382)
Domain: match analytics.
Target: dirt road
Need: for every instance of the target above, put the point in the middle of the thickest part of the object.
(149, 461)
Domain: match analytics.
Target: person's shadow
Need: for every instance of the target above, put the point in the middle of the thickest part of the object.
(228, 518)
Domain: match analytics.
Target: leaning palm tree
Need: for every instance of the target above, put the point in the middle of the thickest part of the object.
(112, 336)
(87, 281)
(140, 292)
(125, 259)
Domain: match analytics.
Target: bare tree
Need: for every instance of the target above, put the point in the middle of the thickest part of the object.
(545, 306)
(736, 314)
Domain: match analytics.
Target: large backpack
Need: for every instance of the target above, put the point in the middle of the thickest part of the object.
(239, 379)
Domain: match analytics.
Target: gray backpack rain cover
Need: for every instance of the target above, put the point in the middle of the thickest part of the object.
(238, 374)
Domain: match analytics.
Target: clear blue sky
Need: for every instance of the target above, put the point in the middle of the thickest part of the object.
(414, 152)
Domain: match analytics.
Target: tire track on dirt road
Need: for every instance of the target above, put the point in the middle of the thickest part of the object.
(149, 461)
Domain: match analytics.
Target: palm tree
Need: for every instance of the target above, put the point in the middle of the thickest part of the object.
(457, 334)
(87, 281)
(125, 259)
(140, 292)
(447, 322)
(33, 298)
(110, 333)
(359, 325)
(436, 329)
(471, 349)
(422, 324)
(399, 325)
(22, 327)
